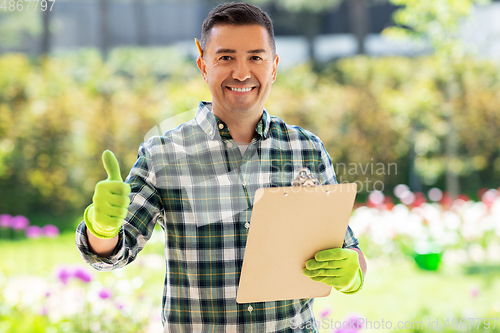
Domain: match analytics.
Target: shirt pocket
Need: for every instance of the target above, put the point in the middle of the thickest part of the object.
(281, 175)
(216, 199)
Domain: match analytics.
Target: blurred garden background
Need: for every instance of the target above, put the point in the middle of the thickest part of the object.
(405, 95)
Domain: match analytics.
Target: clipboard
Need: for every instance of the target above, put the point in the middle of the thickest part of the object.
(288, 226)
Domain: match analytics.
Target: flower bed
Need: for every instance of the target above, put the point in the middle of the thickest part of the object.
(16, 227)
(462, 230)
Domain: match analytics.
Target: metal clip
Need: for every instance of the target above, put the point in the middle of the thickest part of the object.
(305, 178)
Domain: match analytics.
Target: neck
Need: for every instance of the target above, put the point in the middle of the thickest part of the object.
(242, 134)
(241, 126)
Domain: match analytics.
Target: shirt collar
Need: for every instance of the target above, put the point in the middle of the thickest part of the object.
(210, 124)
(206, 119)
(263, 125)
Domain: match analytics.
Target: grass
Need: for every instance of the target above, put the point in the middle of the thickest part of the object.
(42, 255)
(399, 291)
(38, 256)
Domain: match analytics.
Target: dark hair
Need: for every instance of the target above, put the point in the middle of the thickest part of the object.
(236, 13)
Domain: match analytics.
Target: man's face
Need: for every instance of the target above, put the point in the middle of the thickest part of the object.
(239, 66)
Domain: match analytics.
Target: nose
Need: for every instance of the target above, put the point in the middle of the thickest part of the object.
(241, 71)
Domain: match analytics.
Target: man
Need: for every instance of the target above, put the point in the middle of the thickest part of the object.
(198, 181)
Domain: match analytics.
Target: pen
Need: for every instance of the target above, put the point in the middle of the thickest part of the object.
(199, 47)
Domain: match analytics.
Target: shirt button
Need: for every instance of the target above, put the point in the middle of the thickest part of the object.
(211, 132)
(247, 225)
(250, 309)
(221, 126)
(229, 144)
(244, 183)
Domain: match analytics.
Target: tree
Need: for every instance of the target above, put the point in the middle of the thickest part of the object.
(104, 29)
(140, 18)
(309, 11)
(358, 15)
(46, 36)
(21, 27)
(17, 28)
(438, 22)
(359, 22)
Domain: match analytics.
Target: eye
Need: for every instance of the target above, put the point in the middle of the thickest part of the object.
(225, 58)
(257, 58)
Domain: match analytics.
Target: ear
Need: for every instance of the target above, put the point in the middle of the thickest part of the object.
(275, 67)
(200, 62)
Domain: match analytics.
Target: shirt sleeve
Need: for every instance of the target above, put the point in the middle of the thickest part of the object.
(349, 239)
(326, 170)
(144, 211)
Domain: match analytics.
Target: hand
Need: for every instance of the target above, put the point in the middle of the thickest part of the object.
(104, 217)
(338, 268)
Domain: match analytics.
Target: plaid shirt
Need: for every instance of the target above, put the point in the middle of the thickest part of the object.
(195, 183)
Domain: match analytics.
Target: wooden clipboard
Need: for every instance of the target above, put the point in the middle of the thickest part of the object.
(288, 226)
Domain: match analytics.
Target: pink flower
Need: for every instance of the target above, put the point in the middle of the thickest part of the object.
(489, 197)
(355, 321)
(5, 220)
(376, 198)
(474, 291)
(19, 222)
(82, 275)
(105, 293)
(354, 324)
(407, 198)
(435, 194)
(326, 312)
(50, 230)
(64, 274)
(33, 231)
(120, 305)
(346, 330)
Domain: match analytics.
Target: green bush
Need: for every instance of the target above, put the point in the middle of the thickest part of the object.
(56, 118)
(394, 110)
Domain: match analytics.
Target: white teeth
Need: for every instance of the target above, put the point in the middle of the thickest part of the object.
(241, 89)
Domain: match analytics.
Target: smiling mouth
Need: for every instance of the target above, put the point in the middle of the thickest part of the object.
(240, 89)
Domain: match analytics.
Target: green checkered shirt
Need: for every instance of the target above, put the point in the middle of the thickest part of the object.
(194, 182)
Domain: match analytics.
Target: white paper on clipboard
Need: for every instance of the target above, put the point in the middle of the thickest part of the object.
(288, 226)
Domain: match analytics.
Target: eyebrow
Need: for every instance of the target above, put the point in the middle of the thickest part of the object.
(234, 51)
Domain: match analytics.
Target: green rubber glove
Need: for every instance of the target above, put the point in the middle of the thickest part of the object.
(338, 268)
(104, 217)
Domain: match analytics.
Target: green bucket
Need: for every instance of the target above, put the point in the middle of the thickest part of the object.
(428, 261)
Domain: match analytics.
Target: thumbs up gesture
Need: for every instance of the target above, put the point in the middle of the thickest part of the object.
(105, 216)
